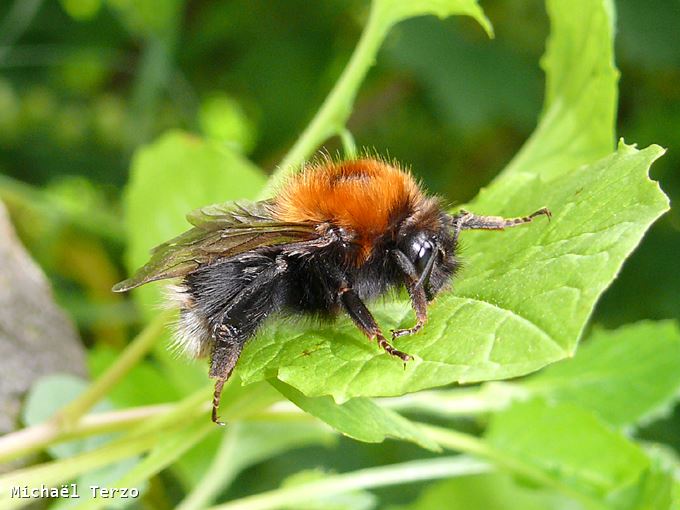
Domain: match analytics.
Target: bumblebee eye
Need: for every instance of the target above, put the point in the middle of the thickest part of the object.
(420, 252)
(424, 256)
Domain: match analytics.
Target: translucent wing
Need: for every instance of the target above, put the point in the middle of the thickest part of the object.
(221, 230)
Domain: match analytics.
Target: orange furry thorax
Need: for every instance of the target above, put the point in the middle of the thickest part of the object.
(365, 197)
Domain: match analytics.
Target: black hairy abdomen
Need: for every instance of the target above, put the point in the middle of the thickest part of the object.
(246, 289)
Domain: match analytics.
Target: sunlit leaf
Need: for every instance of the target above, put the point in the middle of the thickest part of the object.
(571, 445)
(359, 418)
(525, 295)
(520, 302)
(627, 376)
(394, 11)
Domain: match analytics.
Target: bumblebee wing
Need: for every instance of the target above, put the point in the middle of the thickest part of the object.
(221, 230)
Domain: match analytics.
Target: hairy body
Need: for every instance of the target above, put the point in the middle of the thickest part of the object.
(336, 235)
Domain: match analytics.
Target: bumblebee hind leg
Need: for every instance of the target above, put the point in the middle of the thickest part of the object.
(240, 319)
(226, 352)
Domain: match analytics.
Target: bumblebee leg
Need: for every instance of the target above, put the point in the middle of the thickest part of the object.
(227, 350)
(239, 320)
(366, 323)
(465, 220)
(415, 291)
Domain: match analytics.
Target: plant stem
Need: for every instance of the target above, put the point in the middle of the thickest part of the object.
(71, 413)
(335, 110)
(147, 435)
(406, 472)
(349, 146)
(56, 472)
(219, 474)
(66, 423)
(32, 439)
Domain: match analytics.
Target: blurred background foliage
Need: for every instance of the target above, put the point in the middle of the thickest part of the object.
(85, 82)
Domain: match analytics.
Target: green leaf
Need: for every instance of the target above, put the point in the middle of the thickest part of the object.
(486, 492)
(358, 418)
(660, 487)
(627, 376)
(523, 296)
(392, 12)
(171, 177)
(579, 112)
(655, 491)
(49, 394)
(571, 445)
(519, 304)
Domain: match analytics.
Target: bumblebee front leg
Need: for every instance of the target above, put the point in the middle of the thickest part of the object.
(362, 317)
(416, 291)
(465, 220)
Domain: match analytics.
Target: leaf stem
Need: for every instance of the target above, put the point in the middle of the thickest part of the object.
(32, 439)
(406, 472)
(66, 424)
(349, 146)
(70, 413)
(56, 472)
(219, 474)
(331, 118)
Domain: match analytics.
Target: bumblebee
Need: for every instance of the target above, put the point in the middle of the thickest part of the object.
(336, 235)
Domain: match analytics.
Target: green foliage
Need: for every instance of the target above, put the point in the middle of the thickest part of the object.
(49, 395)
(627, 376)
(570, 444)
(238, 448)
(359, 500)
(222, 119)
(391, 12)
(486, 492)
(494, 324)
(359, 418)
(579, 110)
(144, 384)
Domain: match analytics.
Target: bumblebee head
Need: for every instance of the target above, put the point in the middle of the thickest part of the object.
(428, 247)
